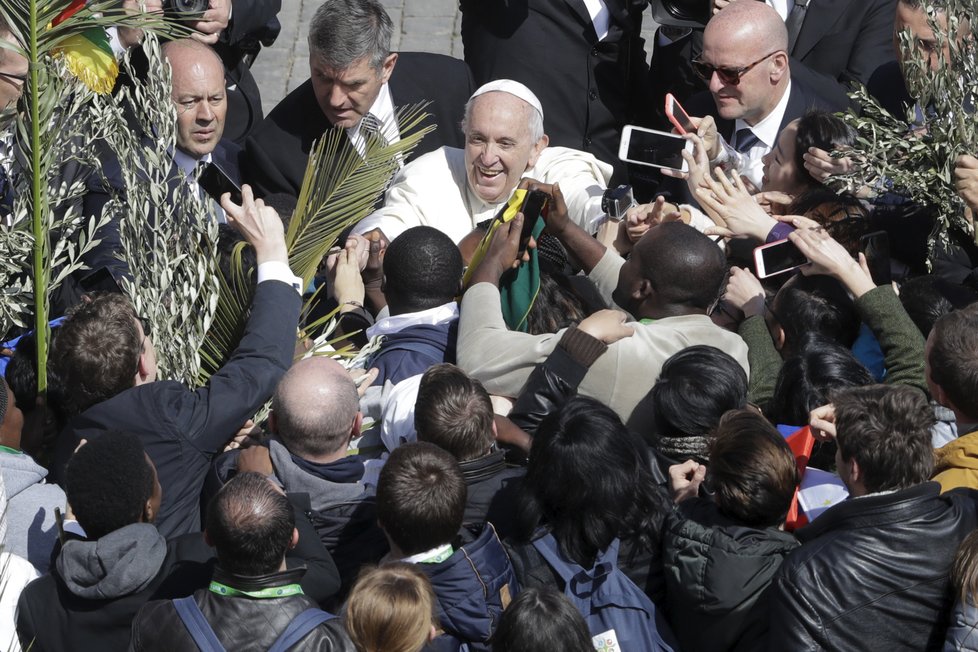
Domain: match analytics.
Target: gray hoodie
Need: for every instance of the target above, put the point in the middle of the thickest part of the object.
(31, 529)
(119, 564)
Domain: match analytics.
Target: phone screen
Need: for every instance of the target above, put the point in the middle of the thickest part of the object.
(876, 248)
(215, 183)
(652, 148)
(777, 258)
(677, 116)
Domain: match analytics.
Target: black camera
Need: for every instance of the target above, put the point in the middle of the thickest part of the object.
(615, 201)
(682, 13)
(185, 8)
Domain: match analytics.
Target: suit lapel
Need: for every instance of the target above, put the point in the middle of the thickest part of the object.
(580, 9)
(821, 17)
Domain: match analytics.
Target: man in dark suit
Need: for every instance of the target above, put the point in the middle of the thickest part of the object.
(838, 42)
(753, 93)
(201, 101)
(356, 83)
(594, 80)
(106, 363)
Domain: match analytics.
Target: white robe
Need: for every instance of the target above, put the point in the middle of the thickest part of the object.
(433, 190)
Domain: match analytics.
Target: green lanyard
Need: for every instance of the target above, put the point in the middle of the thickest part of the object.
(8, 449)
(262, 594)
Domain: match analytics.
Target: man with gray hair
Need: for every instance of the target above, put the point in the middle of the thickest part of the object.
(455, 189)
(357, 84)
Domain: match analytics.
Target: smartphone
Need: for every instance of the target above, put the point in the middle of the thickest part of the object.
(777, 258)
(533, 205)
(678, 116)
(876, 247)
(216, 182)
(653, 148)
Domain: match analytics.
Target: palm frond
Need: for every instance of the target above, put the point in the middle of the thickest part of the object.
(339, 189)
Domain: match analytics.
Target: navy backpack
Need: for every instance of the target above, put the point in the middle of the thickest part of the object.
(620, 617)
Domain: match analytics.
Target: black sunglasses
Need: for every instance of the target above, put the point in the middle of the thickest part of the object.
(730, 76)
(10, 75)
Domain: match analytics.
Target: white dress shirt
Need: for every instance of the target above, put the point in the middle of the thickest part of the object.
(383, 110)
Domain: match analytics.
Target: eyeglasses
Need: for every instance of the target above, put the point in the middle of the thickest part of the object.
(13, 77)
(730, 76)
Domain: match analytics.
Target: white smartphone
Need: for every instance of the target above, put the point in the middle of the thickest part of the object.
(656, 149)
(777, 258)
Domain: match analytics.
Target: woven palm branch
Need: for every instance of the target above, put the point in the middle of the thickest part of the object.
(339, 189)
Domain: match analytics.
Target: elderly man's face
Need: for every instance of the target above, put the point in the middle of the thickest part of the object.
(751, 98)
(498, 145)
(201, 101)
(13, 72)
(345, 96)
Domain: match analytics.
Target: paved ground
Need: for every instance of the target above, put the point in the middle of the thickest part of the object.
(419, 25)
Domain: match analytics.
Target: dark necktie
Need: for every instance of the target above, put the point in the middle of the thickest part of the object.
(746, 139)
(794, 22)
(371, 126)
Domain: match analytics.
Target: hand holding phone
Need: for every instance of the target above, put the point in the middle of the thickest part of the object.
(533, 207)
(678, 116)
(216, 182)
(777, 258)
(653, 148)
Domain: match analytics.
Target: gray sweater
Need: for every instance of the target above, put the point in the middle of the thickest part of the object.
(31, 529)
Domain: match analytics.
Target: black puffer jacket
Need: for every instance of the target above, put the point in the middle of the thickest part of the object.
(717, 577)
(240, 622)
(872, 573)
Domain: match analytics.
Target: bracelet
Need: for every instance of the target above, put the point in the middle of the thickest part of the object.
(353, 303)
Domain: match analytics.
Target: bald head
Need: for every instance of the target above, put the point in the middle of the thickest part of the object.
(316, 408)
(754, 22)
(199, 95)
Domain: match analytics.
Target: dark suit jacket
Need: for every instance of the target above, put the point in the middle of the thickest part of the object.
(588, 88)
(182, 430)
(841, 41)
(99, 191)
(277, 152)
(249, 18)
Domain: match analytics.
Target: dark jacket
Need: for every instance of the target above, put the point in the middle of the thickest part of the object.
(717, 577)
(472, 588)
(873, 571)
(239, 622)
(90, 598)
(493, 487)
(277, 151)
(181, 429)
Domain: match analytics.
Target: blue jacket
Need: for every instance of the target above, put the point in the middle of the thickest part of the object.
(472, 588)
(413, 350)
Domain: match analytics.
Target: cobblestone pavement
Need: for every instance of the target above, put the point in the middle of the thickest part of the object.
(419, 25)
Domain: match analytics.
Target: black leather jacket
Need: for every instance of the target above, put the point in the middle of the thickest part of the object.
(240, 622)
(872, 573)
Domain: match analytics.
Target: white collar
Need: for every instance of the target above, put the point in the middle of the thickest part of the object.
(188, 163)
(433, 556)
(769, 127)
(383, 110)
(432, 317)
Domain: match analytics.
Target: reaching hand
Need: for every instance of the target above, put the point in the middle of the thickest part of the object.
(345, 279)
(502, 252)
(607, 325)
(132, 36)
(256, 459)
(745, 292)
(641, 218)
(966, 180)
(215, 20)
(822, 422)
(828, 257)
(259, 224)
(736, 208)
(821, 165)
(685, 479)
(773, 202)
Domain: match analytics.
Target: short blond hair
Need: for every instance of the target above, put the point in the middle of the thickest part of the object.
(391, 609)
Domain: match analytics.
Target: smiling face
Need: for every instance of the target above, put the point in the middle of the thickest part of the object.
(345, 96)
(780, 169)
(13, 68)
(498, 145)
(200, 98)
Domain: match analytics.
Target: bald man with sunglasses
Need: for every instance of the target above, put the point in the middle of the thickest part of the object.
(753, 93)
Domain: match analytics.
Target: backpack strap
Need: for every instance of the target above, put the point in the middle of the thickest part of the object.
(301, 625)
(578, 580)
(197, 626)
